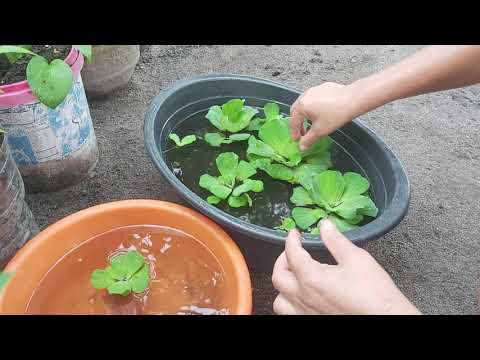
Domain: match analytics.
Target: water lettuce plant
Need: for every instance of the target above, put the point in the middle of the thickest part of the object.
(226, 186)
(232, 116)
(187, 140)
(127, 273)
(343, 198)
(50, 82)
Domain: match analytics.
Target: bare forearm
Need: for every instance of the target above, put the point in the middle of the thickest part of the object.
(434, 68)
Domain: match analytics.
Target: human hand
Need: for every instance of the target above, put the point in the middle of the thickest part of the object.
(356, 285)
(328, 106)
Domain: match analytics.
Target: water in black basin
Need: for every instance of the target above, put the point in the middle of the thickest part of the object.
(271, 205)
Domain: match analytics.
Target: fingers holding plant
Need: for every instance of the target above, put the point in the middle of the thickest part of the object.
(356, 285)
(328, 106)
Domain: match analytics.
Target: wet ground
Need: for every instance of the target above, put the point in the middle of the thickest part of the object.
(433, 255)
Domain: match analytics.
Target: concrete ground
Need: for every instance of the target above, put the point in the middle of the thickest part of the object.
(433, 255)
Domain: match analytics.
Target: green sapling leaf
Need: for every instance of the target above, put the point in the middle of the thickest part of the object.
(50, 83)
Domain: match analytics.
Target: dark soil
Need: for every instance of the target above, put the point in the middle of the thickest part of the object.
(14, 73)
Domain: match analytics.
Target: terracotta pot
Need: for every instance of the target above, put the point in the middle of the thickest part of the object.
(111, 68)
(34, 260)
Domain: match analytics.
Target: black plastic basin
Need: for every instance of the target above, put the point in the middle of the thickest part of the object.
(389, 184)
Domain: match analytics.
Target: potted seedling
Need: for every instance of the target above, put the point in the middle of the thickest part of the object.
(16, 220)
(111, 68)
(50, 130)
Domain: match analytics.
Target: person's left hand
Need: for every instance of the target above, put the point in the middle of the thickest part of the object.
(357, 285)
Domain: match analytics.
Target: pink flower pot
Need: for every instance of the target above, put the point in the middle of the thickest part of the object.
(53, 148)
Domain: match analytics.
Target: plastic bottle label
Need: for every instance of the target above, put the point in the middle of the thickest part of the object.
(36, 133)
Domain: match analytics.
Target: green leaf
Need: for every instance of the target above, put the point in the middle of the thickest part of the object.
(133, 262)
(235, 116)
(355, 184)
(239, 137)
(279, 172)
(214, 139)
(315, 231)
(86, 51)
(16, 49)
(259, 148)
(248, 185)
(232, 109)
(227, 164)
(300, 197)
(15, 56)
(306, 171)
(214, 115)
(271, 110)
(287, 224)
(328, 188)
(255, 124)
(249, 199)
(276, 134)
(258, 162)
(322, 160)
(305, 217)
(174, 137)
(238, 201)
(214, 200)
(50, 83)
(369, 208)
(4, 278)
(187, 140)
(101, 279)
(120, 288)
(213, 185)
(245, 170)
(141, 279)
(341, 224)
(320, 146)
(348, 207)
(125, 265)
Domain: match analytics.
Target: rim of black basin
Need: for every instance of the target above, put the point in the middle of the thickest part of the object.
(390, 217)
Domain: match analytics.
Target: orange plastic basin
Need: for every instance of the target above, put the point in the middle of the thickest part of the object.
(38, 256)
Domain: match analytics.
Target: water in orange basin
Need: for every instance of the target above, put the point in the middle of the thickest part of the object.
(185, 276)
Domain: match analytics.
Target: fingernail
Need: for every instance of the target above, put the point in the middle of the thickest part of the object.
(327, 225)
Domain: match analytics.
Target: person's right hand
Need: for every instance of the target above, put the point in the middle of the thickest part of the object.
(328, 106)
